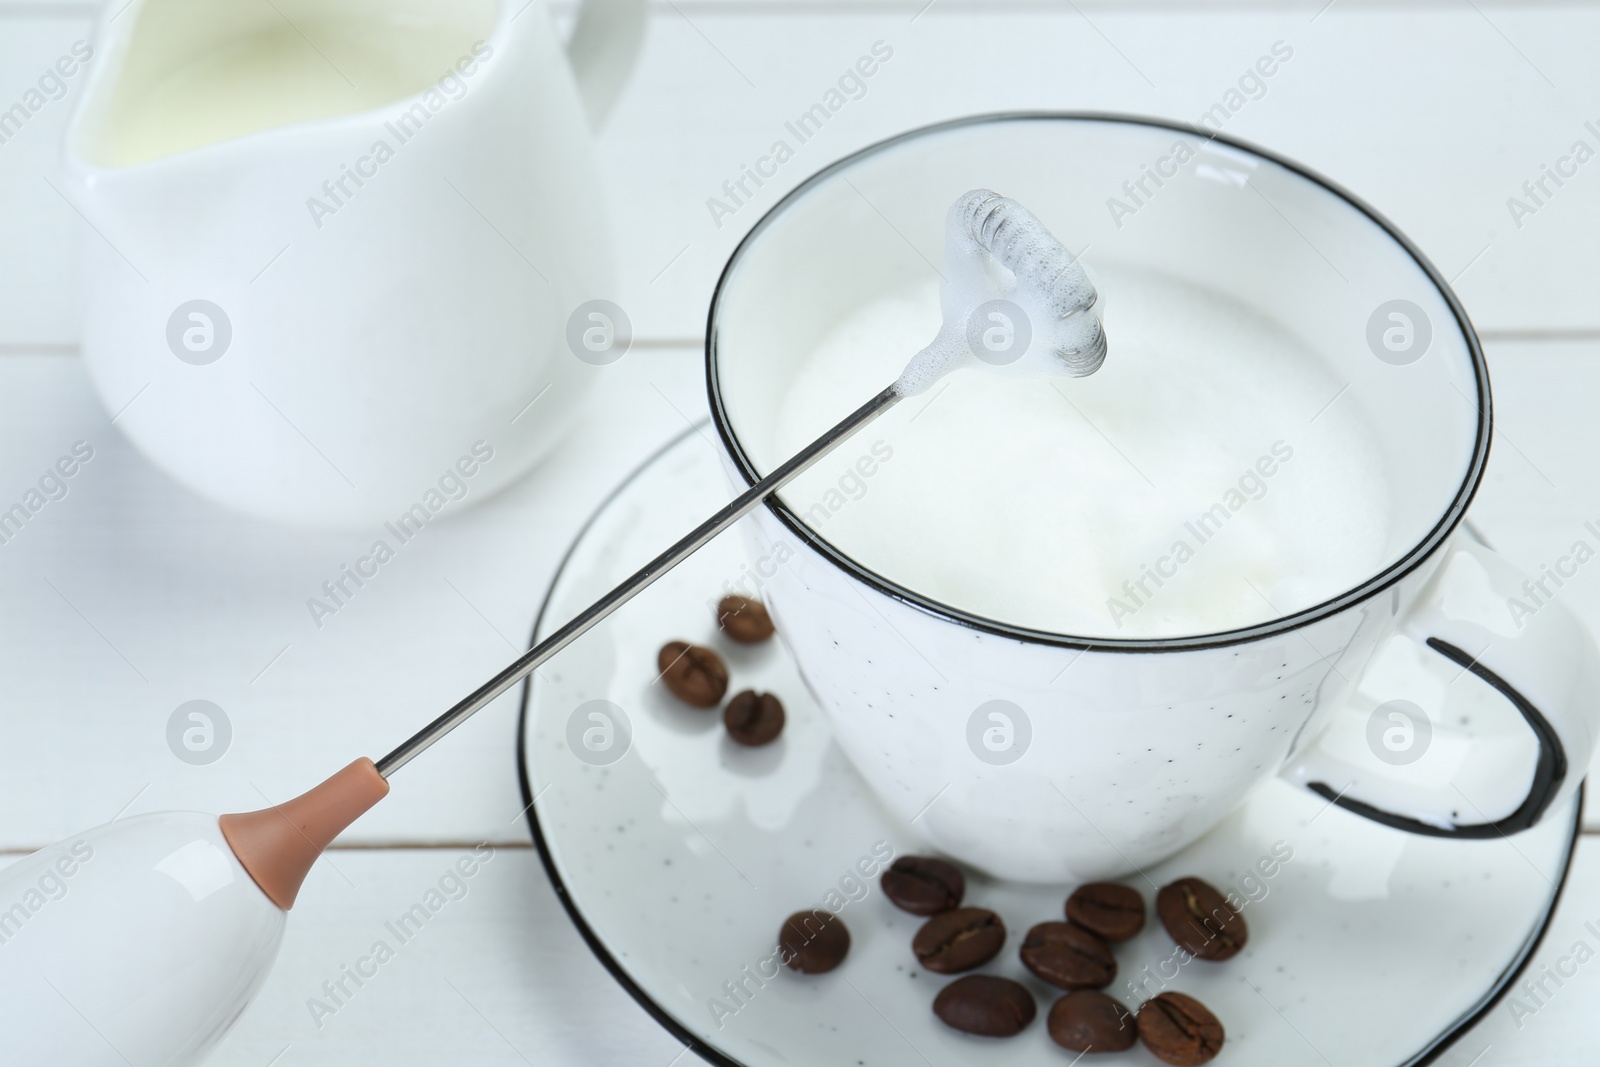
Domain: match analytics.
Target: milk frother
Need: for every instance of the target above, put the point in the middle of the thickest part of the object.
(141, 941)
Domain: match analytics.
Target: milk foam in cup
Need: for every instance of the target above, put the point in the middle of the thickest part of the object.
(1191, 486)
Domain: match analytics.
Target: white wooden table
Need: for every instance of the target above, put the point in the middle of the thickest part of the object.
(129, 597)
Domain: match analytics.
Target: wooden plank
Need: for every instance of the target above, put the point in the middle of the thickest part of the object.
(1453, 109)
(1541, 487)
(38, 229)
(129, 596)
(499, 977)
(1413, 134)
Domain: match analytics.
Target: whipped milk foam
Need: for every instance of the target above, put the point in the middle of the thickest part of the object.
(1200, 481)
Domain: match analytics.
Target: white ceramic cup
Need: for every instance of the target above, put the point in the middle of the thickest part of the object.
(1053, 757)
(306, 327)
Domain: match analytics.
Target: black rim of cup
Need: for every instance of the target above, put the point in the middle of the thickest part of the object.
(1372, 586)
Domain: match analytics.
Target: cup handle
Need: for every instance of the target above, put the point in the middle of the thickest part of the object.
(1478, 610)
(604, 46)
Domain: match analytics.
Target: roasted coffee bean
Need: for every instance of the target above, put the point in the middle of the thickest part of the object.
(744, 619)
(1179, 1029)
(753, 718)
(693, 674)
(1115, 912)
(923, 885)
(1067, 955)
(813, 942)
(985, 1005)
(1200, 920)
(1090, 1021)
(959, 940)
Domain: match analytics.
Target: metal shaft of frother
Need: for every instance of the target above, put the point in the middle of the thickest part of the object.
(536, 656)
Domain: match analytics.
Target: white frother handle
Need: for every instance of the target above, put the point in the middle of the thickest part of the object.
(602, 52)
(1544, 662)
(136, 943)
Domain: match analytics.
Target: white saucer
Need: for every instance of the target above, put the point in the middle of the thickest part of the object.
(679, 861)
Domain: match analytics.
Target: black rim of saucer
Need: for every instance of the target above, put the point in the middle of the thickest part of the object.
(712, 1054)
(1409, 561)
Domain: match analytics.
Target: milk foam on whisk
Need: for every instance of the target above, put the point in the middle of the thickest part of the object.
(1045, 300)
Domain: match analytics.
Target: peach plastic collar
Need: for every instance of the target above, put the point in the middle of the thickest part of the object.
(278, 845)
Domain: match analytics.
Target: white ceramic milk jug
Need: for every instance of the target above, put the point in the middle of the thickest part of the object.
(333, 246)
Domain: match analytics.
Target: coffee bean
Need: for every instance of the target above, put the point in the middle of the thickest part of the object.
(1179, 1029)
(923, 885)
(1200, 920)
(1115, 912)
(1089, 1021)
(753, 718)
(693, 674)
(985, 1005)
(959, 940)
(813, 942)
(744, 619)
(1068, 956)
